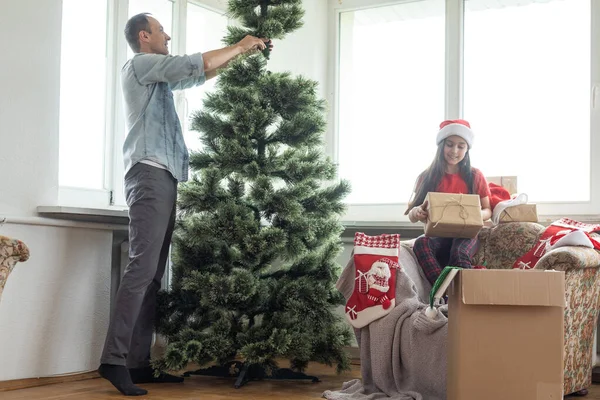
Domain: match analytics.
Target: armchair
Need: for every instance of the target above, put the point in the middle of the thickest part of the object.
(11, 252)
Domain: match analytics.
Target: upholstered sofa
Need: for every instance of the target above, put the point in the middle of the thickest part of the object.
(501, 245)
(11, 252)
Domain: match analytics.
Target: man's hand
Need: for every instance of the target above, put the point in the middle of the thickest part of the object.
(251, 43)
(220, 58)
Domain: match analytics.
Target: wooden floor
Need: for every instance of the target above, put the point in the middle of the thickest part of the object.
(206, 388)
(593, 395)
(194, 388)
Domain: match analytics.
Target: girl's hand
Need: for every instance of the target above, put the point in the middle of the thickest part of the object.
(486, 209)
(421, 213)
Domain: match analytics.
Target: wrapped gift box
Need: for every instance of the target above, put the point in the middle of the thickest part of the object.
(453, 215)
(520, 213)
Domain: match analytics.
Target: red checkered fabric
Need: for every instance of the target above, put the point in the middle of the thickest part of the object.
(391, 263)
(381, 281)
(386, 241)
(363, 285)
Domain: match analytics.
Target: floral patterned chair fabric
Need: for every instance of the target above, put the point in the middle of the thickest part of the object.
(11, 252)
(501, 245)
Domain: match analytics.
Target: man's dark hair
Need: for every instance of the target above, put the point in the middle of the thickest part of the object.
(134, 26)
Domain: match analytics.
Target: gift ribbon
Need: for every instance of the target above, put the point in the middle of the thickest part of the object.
(463, 213)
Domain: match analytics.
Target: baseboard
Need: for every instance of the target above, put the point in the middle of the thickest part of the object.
(35, 382)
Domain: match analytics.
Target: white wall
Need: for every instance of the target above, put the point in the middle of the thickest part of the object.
(29, 78)
(55, 307)
(53, 313)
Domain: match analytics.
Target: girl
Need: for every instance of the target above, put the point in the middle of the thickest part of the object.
(450, 172)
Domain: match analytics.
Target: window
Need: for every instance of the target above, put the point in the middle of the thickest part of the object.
(388, 113)
(527, 94)
(92, 124)
(525, 74)
(82, 94)
(205, 30)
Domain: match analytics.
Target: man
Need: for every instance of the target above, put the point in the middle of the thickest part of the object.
(156, 159)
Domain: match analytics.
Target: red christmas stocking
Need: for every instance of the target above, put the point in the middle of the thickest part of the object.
(564, 232)
(375, 265)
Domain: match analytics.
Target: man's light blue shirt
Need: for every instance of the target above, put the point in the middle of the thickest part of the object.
(153, 128)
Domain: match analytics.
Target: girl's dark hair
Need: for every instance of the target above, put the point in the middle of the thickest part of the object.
(134, 26)
(430, 179)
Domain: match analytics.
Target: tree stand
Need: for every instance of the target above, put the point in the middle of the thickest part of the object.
(246, 373)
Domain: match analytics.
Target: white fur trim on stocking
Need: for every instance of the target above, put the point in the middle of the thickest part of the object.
(358, 319)
(393, 252)
(574, 238)
(503, 205)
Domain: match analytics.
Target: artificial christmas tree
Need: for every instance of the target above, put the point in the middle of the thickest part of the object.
(258, 233)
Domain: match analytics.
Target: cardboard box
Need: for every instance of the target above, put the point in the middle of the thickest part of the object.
(507, 182)
(453, 215)
(506, 335)
(520, 213)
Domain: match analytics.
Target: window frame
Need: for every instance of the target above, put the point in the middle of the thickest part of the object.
(111, 195)
(384, 214)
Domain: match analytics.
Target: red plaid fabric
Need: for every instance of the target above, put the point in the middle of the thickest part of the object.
(434, 253)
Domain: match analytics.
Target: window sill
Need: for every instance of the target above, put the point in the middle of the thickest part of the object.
(407, 230)
(108, 215)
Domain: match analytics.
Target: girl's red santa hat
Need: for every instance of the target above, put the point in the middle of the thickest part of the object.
(458, 127)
